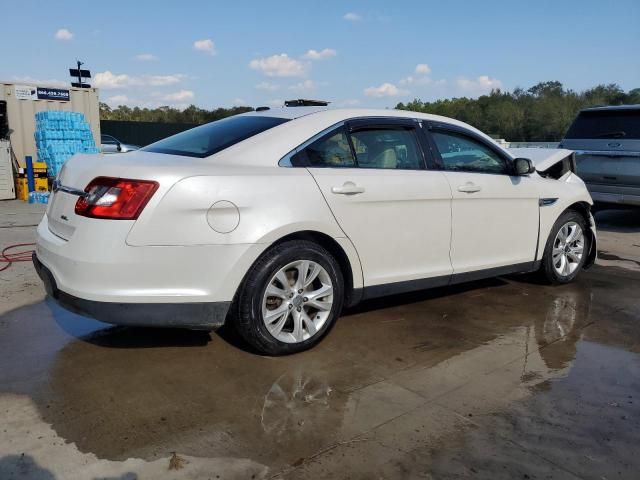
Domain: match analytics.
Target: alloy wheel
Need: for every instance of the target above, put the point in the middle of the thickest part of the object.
(568, 249)
(297, 301)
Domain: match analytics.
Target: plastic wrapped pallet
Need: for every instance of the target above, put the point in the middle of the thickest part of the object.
(39, 197)
(60, 135)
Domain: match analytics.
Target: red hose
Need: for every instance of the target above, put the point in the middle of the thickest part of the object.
(9, 258)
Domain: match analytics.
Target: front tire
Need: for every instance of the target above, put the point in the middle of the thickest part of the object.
(290, 298)
(567, 248)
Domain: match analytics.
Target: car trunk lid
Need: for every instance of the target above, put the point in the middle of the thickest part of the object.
(66, 190)
(81, 169)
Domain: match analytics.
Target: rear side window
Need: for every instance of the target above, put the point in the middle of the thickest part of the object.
(623, 124)
(215, 136)
(390, 148)
(331, 151)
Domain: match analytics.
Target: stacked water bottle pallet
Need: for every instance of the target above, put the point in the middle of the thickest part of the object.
(39, 197)
(60, 135)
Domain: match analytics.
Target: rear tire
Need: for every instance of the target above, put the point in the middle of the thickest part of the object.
(566, 250)
(290, 298)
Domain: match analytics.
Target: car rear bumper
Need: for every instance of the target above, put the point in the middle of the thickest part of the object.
(97, 264)
(96, 272)
(193, 315)
(622, 197)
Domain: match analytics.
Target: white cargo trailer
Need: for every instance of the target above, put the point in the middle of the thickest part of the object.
(24, 100)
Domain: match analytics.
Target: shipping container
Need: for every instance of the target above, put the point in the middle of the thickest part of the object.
(24, 100)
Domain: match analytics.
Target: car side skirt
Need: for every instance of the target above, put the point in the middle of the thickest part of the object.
(376, 291)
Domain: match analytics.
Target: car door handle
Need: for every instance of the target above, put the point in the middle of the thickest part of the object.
(469, 188)
(348, 188)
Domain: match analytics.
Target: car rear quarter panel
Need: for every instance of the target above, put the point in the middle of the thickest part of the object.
(271, 203)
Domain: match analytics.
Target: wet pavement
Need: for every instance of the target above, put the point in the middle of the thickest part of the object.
(504, 378)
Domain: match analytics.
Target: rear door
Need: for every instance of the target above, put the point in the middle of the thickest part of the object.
(373, 174)
(495, 215)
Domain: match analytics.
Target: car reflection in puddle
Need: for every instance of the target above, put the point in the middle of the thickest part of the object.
(296, 401)
(557, 336)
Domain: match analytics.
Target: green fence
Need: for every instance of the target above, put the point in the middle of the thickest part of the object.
(142, 133)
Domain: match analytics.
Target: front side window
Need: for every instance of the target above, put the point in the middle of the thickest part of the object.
(390, 148)
(215, 136)
(331, 151)
(108, 139)
(462, 153)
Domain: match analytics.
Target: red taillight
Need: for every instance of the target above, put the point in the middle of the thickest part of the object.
(115, 198)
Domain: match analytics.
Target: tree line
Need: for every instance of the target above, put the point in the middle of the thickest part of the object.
(543, 113)
(191, 114)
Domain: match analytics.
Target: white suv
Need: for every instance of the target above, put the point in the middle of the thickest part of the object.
(274, 220)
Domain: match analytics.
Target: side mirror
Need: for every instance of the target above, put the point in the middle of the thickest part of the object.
(523, 166)
(119, 146)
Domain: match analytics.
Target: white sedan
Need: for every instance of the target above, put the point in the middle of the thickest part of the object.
(275, 220)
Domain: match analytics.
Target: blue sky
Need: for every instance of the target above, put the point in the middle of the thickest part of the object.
(361, 53)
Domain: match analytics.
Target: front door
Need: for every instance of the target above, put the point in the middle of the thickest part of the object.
(495, 215)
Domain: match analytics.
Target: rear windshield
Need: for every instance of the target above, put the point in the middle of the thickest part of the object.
(215, 136)
(624, 124)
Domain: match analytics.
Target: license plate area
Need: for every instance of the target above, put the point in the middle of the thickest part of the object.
(62, 215)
